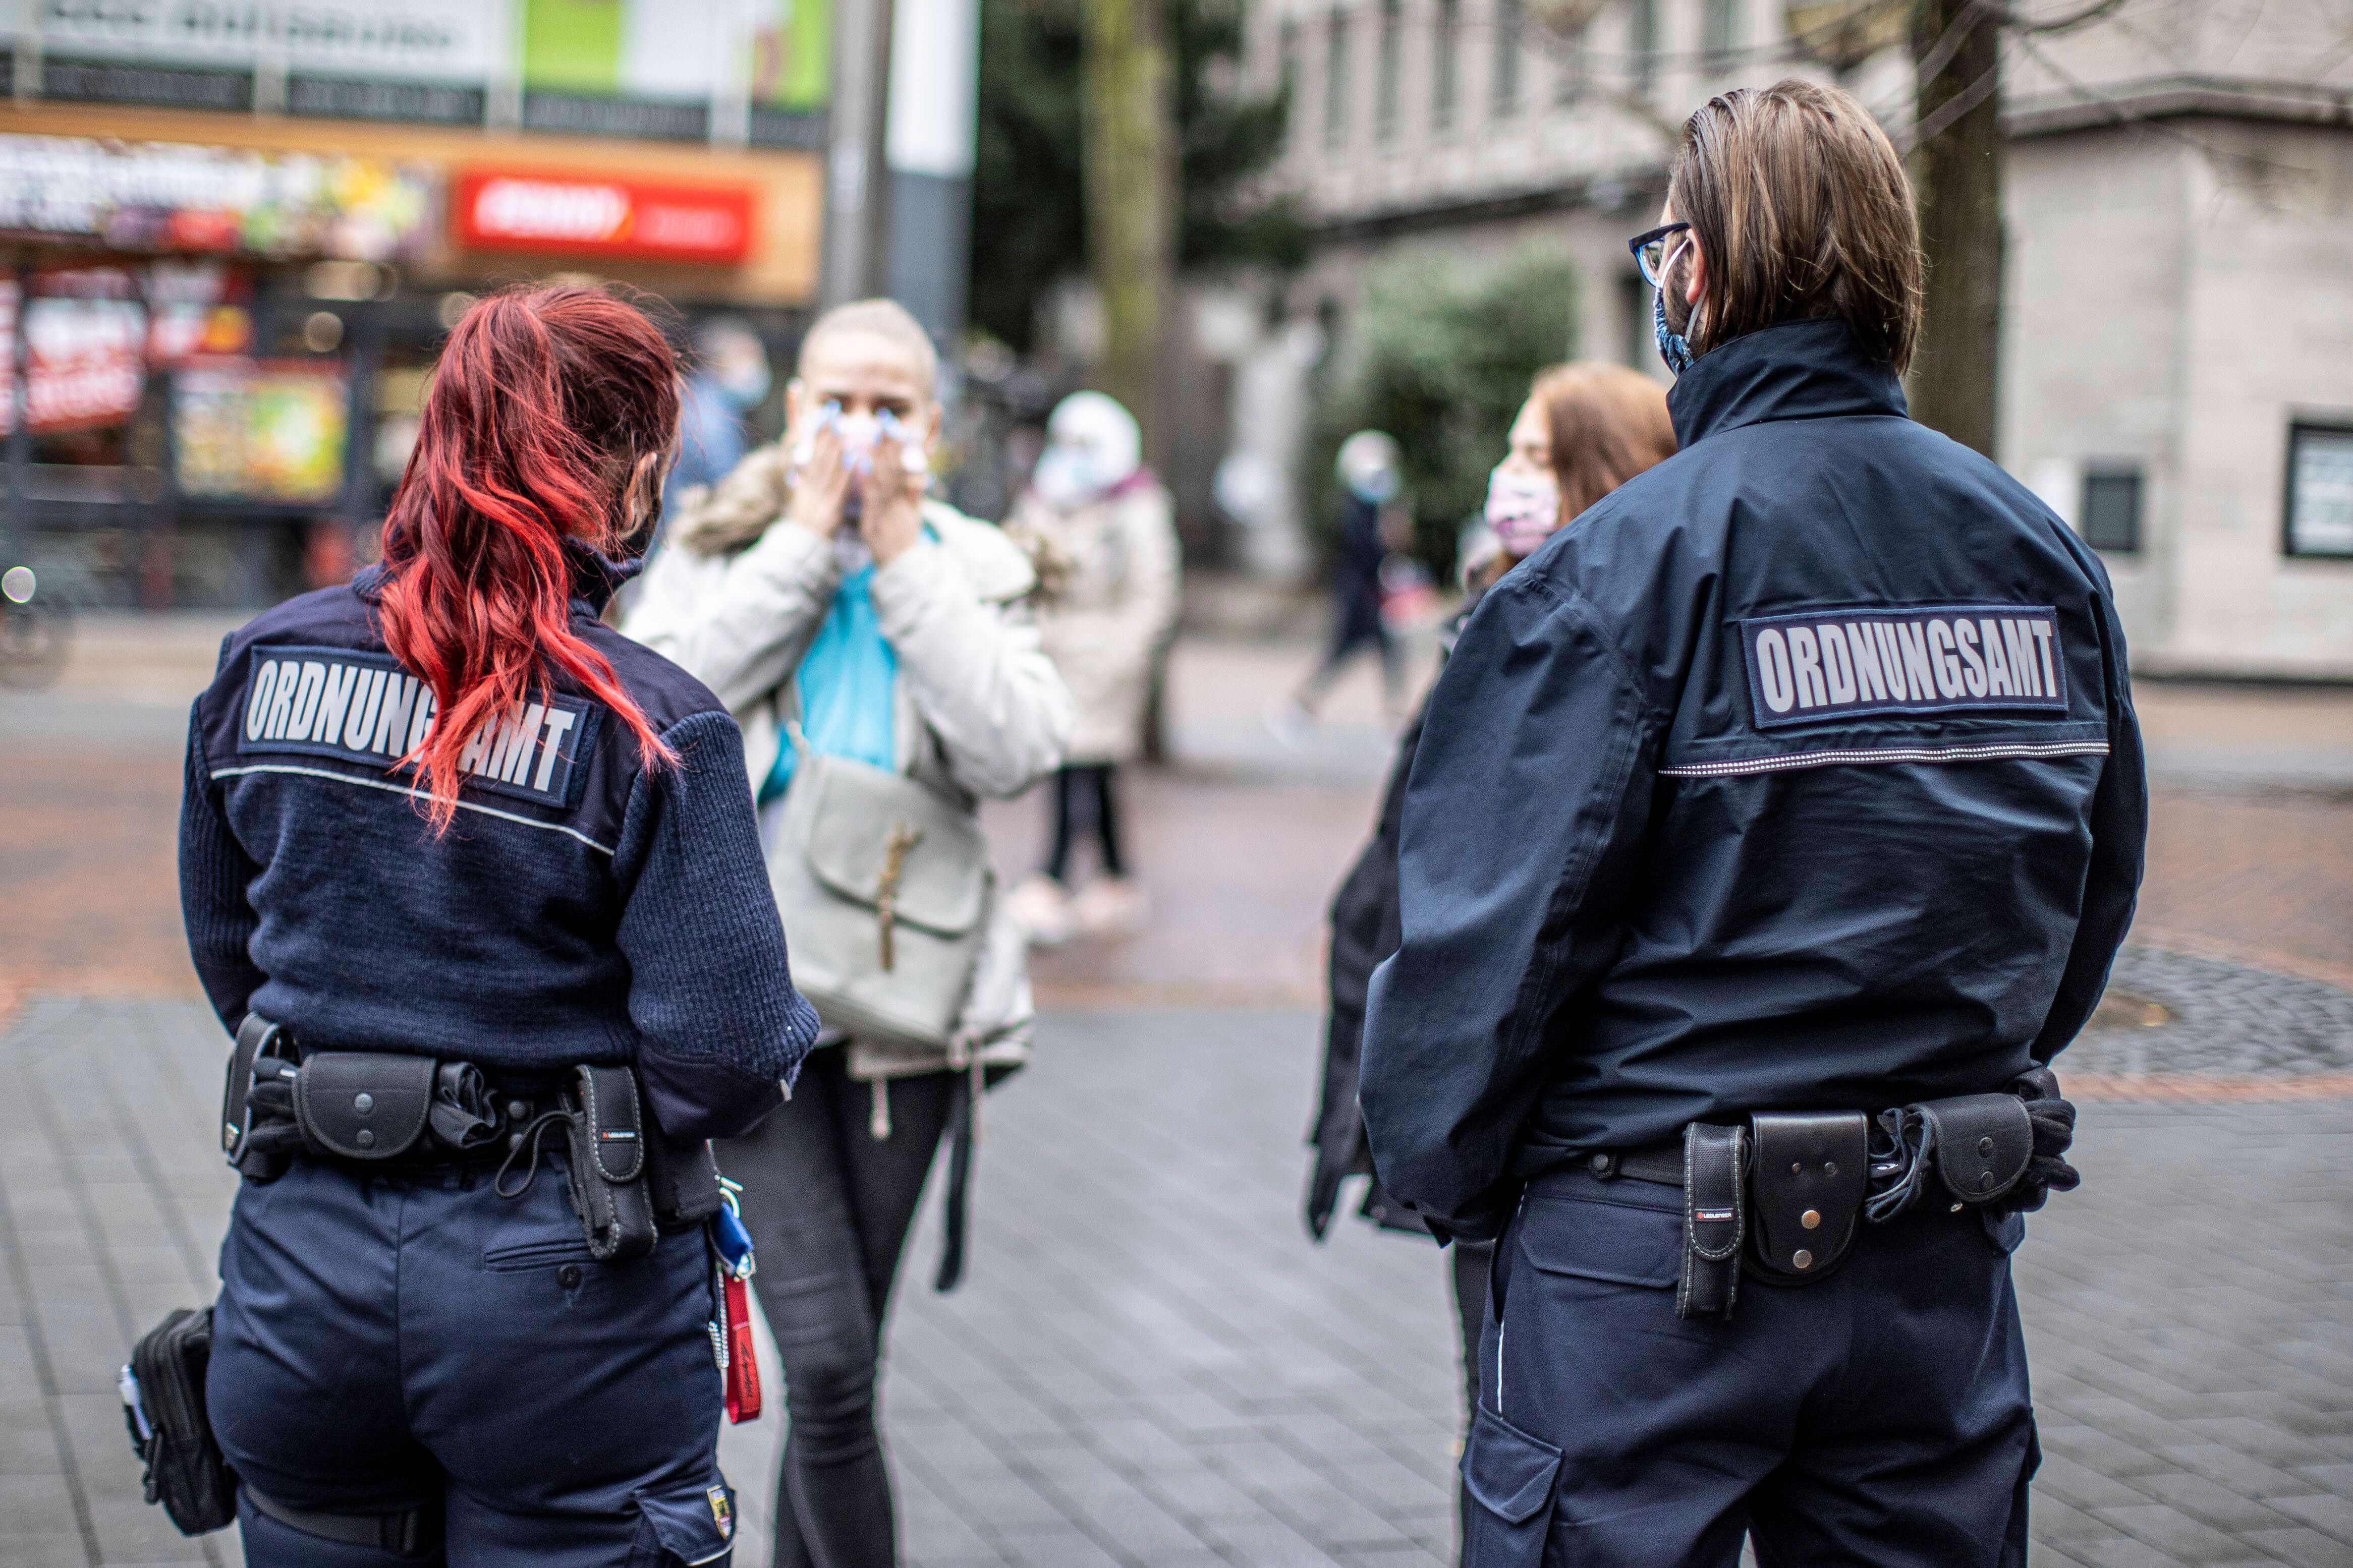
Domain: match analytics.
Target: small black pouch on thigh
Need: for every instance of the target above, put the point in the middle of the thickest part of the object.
(163, 1401)
(607, 1168)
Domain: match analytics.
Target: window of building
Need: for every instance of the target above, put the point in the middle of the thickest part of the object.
(1570, 69)
(2110, 515)
(1446, 65)
(1336, 82)
(2320, 490)
(1642, 40)
(1720, 31)
(1385, 102)
(1509, 15)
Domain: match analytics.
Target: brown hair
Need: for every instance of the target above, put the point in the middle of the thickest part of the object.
(1606, 424)
(1802, 209)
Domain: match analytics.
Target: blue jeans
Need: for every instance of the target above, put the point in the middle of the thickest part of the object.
(382, 1341)
(1879, 1416)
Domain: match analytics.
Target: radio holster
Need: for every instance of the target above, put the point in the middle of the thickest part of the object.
(607, 1163)
(630, 1183)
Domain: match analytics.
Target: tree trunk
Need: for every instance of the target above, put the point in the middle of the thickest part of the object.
(1957, 170)
(1131, 192)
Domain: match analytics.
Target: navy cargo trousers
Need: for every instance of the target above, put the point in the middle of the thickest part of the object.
(1879, 1417)
(382, 1341)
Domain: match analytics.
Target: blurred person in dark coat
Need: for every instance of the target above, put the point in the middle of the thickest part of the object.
(1585, 428)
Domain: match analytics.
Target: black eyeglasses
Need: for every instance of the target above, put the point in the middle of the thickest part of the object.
(1654, 250)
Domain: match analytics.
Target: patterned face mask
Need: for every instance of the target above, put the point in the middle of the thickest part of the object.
(1673, 346)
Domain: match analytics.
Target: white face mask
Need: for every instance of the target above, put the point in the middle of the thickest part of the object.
(1523, 508)
(861, 434)
(1067, 476)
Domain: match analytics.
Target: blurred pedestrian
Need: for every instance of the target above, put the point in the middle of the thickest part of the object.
(1106, 525)
(1772, 828)
(877, 649)
(469, 874)
(727, 381)
(1371, 526)
(1586, 429)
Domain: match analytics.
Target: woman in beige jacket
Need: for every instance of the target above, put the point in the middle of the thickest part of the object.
(1102, 524)
(816, 585)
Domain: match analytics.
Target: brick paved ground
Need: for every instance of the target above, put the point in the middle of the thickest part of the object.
(1151, 1365)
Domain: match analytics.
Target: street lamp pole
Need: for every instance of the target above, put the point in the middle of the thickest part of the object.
(857, 186)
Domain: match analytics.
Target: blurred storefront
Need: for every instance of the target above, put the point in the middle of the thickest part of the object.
(231, 237)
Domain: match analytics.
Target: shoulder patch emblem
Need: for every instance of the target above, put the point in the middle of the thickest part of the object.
(1943, 658)
(354, 706)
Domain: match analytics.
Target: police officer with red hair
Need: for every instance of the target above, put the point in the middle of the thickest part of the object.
(475, 882)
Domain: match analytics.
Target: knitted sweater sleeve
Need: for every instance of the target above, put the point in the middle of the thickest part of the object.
(215, 872)
(720, 1026)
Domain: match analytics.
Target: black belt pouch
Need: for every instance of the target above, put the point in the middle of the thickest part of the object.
(607, 1163)
(1714, 1173)
(186, 1471)
(1806, 1193)
(363, 1105)
(1983, 1143)
(681, 1178)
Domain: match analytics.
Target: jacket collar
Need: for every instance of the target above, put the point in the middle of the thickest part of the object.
(596, 576)
(1811, 369)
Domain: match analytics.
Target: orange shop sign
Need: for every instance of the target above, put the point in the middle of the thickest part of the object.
(540, 210)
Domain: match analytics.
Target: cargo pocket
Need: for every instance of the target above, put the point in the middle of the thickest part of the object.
(693, 1526)
(1510, 1478)
(1616, 1243)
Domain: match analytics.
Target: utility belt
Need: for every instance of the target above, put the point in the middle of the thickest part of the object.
(385, 1111)
(1783, 1197)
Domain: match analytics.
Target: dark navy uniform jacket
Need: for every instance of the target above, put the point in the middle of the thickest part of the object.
(1799, 773)
(579, 909)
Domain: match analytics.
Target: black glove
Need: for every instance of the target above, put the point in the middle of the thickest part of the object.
(2054, 1120)
(270, 1105)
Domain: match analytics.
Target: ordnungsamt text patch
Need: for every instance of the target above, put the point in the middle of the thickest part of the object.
(1911, 659)
(354, 706)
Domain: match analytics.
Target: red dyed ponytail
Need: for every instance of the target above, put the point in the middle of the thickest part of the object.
(544, 401)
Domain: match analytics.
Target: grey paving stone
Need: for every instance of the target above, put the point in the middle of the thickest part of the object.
(2301, 1548)
(1150, 1365)
(2179, 1535)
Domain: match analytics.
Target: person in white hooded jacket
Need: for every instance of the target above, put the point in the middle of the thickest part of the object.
(1103, 527)
(817, 590)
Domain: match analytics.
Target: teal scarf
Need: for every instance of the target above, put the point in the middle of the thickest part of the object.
(849, 682)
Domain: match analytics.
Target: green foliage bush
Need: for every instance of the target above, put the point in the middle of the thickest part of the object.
(1440, 355)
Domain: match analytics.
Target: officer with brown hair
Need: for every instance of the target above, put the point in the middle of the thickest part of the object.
(1775, 825)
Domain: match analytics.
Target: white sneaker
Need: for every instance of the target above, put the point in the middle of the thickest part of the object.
(1041, 910)
(1111, 906)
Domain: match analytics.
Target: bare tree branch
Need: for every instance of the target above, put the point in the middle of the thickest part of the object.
(2092, 12)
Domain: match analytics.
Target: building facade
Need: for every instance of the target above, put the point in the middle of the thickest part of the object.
(2176, 358)
(232, 238)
